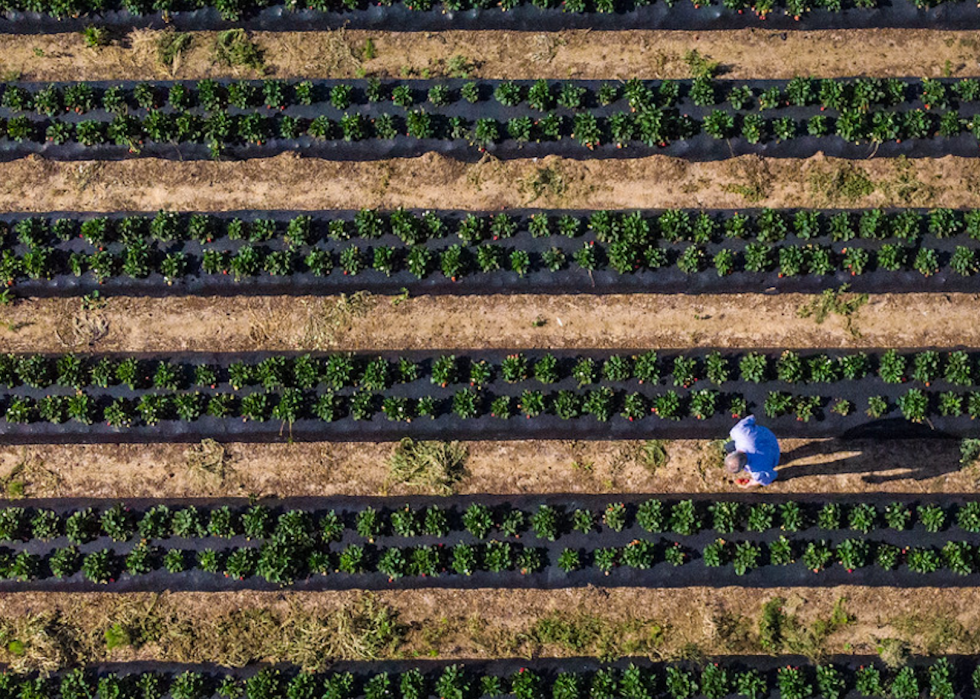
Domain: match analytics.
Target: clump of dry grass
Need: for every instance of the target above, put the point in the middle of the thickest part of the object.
(207, 462)
(329, 320)
(429, 466)
(35, 643)
(168, 629)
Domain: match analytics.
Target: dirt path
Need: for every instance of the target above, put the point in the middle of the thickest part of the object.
(435, 181)
(127, 324)
(752, 53)
(312, 628)
(346, 469)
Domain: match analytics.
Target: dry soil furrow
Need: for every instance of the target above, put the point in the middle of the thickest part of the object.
(127, 324)
(751, 53)
(115, 472)
(314, 628)
(433, 181)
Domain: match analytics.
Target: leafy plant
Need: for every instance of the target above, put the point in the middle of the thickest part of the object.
(816, 555)
(863, 518)
(898, 515)
(792, 683)
(932, 517)
(684, 518)
(725, 516)
(680, 683)
(615, 516)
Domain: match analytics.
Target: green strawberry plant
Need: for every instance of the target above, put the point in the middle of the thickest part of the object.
(569, 560)
(684, 519)
(615, 516)
(651, 516)
(546, 522)
(716, 682)
(478, 520)
(680, 683)
(498, 556)
(959, 368)
(829, 516)
(830, 683)
(877, 406)
(760, 517)
(500, 407)
(914, 405)
(923, 560)
(869, 683)
(950, 404)
(188, 523)
(725, 516)
(99, 567)
(464, 559)
(898, 515)
(369, 524)
(777, 404)
(862, 518)
(634, 406)
(932, 517)
(599, 403)
(959, 557)
(792, 683)
(853, 554)
(781, 552)
(750, 684)
(816, 555)
(754, 367)
(925, 367)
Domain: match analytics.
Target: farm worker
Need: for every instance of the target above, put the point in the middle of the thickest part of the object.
(753, 454)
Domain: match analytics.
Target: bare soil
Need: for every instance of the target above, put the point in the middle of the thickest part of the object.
(127, 324)
(435, 181)
(510, 467)
(752, 53)
(238, 628)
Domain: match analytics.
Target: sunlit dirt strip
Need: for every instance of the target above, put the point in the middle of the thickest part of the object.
(438, 182)
(508, 467)
(749, 53)
(301, 628)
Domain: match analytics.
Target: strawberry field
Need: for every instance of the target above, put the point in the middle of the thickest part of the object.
(388, 350)
(671, 251)
(699, 119)
(597, 395)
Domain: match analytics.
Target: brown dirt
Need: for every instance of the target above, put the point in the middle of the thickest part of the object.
(435, 181)
(128, 324)
(509, 467)
(237, 628)
(753, 53)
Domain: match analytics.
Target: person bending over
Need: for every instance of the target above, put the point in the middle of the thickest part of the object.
(753, 454)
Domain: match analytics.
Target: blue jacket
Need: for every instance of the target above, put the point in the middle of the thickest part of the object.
(760, 446)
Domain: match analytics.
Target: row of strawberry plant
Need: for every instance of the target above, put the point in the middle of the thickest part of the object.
(601, 404)
(411, 228)
(942, 678)
(238, 10)
(280, 562)
(548, 522)
(455, 262)
(401, 390)
(649, 127)
(374, 373)
(746, 556)
(543, 95)
(283, 562)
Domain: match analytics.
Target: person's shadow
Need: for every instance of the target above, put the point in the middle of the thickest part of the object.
(864, 451)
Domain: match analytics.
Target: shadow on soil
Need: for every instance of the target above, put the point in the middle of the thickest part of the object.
(876, 460)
